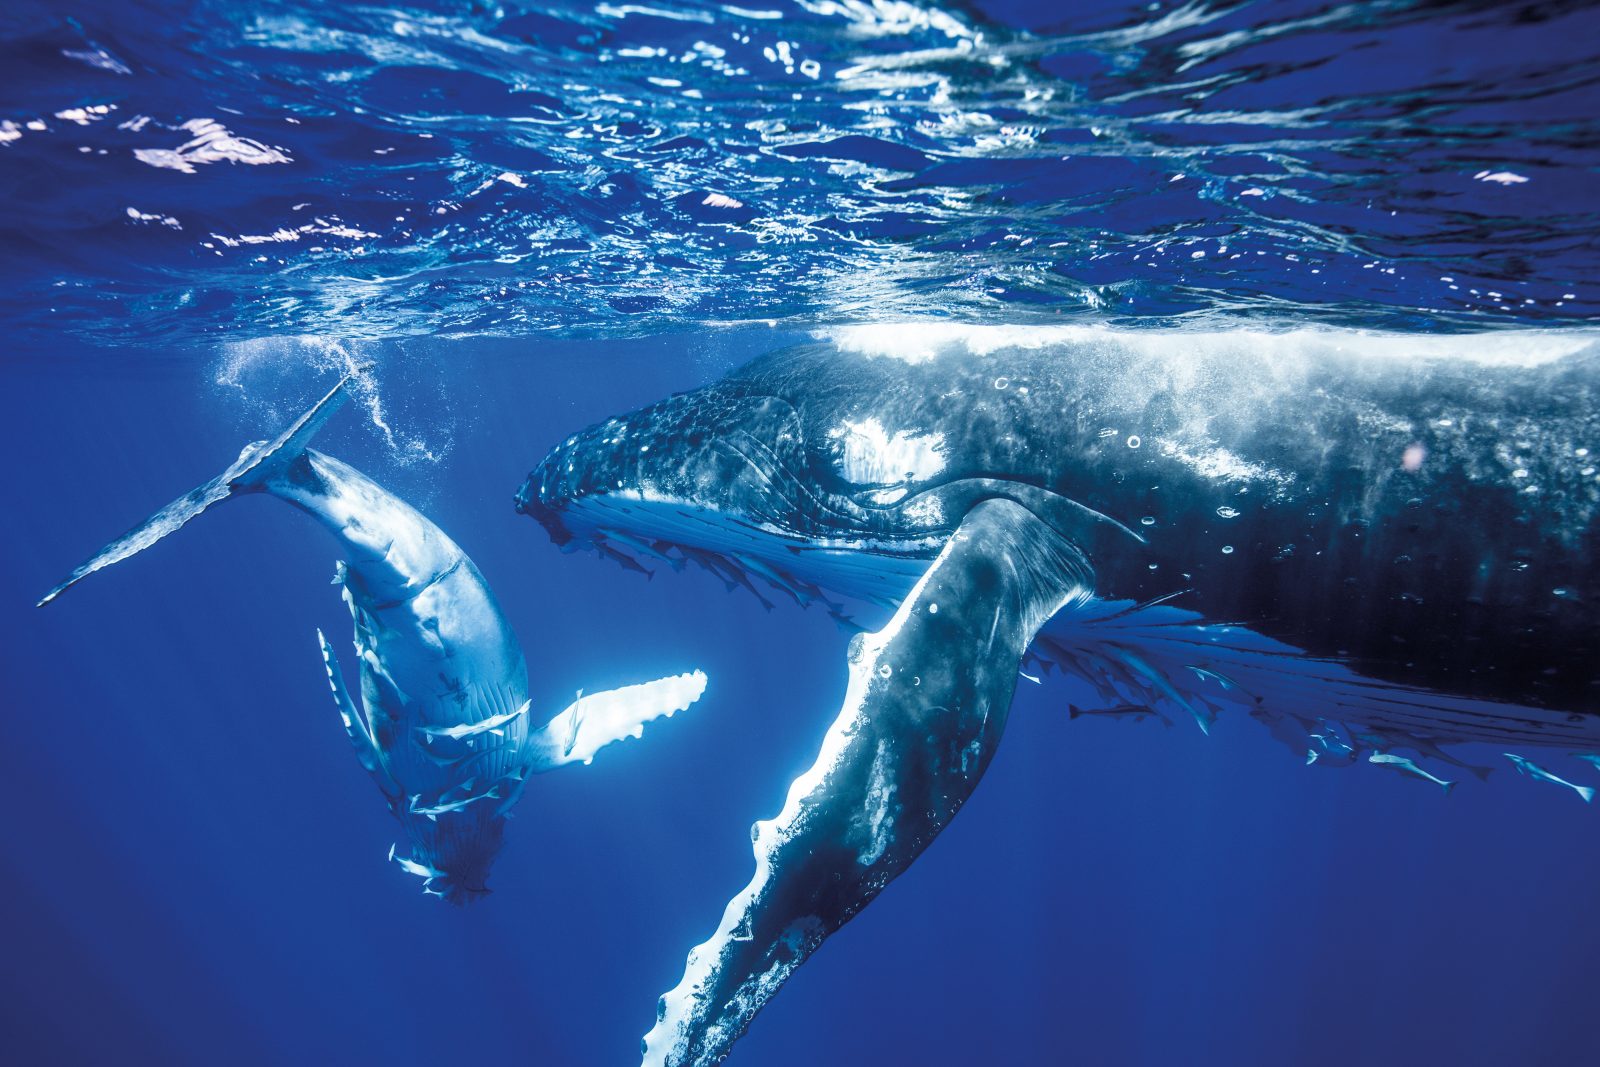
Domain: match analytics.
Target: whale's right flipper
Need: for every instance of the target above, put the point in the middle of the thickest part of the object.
(595, 720)
(925, 707)
(255, 465)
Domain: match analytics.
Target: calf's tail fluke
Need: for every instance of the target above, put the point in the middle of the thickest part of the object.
(256, 465)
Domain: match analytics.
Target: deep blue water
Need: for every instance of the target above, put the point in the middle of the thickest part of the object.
(197, 864)
(535, 218)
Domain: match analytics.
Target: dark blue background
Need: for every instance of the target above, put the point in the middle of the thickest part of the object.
(193, 864)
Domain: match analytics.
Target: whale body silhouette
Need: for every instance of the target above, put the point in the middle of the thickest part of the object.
(1365, 554)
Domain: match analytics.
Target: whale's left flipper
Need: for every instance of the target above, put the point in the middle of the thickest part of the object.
(926, 703)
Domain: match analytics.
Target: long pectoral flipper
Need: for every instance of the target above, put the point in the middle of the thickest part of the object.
(355, 724)
(926, 703)
(595, 720)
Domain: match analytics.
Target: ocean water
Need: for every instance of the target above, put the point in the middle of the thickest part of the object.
(529, 219)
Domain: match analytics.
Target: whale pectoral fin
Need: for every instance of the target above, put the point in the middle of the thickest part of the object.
(355, 724)
(924, 708)
(595, 720)
(1168, 657)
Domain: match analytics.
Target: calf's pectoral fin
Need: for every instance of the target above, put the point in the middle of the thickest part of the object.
(355, 724)
(595, 720)
(923, 711)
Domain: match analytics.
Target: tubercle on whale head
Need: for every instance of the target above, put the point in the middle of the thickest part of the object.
(718, 450)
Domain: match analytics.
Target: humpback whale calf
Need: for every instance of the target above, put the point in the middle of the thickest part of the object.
(1399, 551)
(445, 728)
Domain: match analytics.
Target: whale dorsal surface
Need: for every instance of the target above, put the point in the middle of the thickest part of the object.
(1425, 524)
(1375, 555)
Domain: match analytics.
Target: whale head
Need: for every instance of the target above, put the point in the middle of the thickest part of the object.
(812, 469)
(740, 480)
(715, 450)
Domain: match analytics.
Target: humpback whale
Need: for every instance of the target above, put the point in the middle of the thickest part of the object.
(1367, 555)
(445, 726)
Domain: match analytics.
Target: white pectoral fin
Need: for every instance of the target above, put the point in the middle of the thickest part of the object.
(354, 723)
(924, 708)
(595, 720)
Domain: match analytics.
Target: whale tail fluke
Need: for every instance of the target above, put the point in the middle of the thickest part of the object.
(258, 463)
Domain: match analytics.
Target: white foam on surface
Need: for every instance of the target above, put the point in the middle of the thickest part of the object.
(920, 342)
(258, 369)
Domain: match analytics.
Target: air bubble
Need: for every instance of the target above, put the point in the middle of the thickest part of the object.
(933, 609)
(1134, 442)
(1001, 383)
(885, 670)
(1148, 520)
(1227, 550)
(1227, 513)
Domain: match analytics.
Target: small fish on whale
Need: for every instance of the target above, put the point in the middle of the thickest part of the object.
(1292, 533)
(1407, 766)
(1533, 770)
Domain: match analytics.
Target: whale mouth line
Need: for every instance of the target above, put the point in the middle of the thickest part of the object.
(635, 529)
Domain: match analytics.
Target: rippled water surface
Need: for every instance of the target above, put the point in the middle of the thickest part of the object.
(175, 172)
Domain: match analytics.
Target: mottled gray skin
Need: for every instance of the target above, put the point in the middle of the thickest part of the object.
(918, 728)
(1397, 530)
(1474, 573)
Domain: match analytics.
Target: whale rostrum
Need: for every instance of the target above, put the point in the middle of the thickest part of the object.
(1374, 558)
(444, 724)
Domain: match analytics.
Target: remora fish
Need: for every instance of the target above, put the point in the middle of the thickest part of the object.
(1400, 546)
(444, 685)
(1406, 766)
(1533, 770)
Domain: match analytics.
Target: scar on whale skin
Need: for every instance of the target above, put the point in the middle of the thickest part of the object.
(445, 726)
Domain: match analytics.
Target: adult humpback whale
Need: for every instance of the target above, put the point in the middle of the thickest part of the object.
(446, 731)
(1368, 555)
